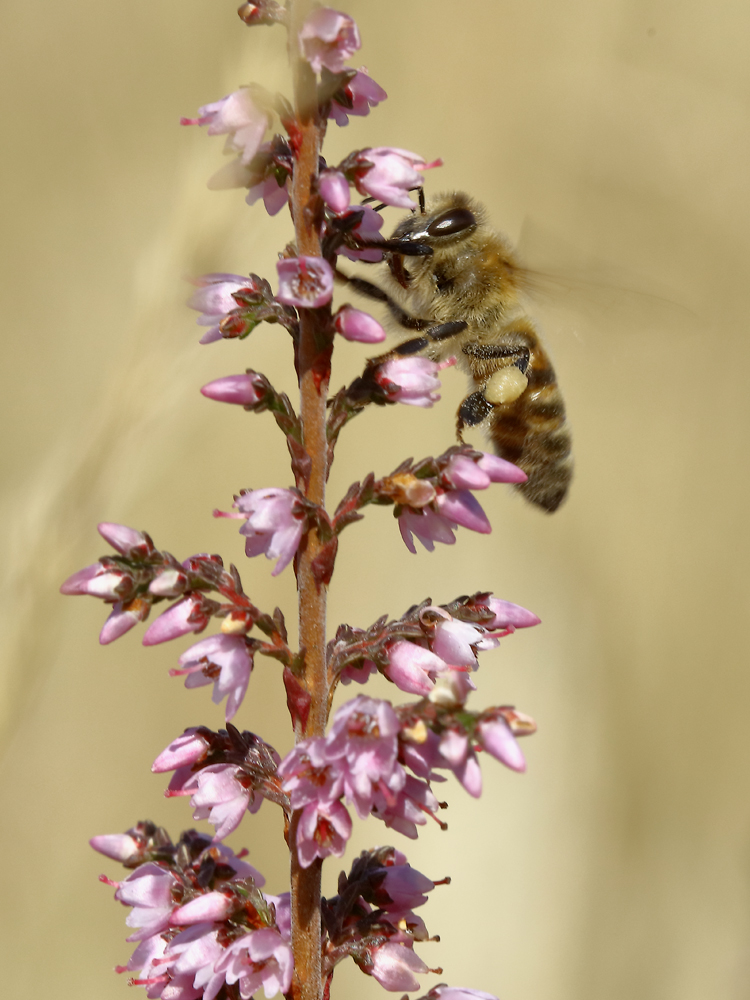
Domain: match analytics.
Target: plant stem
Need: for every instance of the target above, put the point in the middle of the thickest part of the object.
(314, 355)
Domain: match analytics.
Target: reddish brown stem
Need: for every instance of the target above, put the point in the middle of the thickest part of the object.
(314, 356)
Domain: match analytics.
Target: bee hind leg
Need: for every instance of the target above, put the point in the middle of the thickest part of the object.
(474, 409)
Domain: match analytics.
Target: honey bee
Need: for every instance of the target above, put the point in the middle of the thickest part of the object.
(461, 291)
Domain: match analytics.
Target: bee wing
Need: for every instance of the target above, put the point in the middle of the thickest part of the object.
(560, 279)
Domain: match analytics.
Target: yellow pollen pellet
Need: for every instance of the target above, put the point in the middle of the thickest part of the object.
(506, 385)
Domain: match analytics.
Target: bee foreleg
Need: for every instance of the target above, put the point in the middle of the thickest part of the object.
(444, 330)
(371, 291)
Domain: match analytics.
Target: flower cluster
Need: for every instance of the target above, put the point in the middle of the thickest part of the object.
(201, 921)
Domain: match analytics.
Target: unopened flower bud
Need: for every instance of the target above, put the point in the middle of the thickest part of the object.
(353, 324)
(245, 390)
(118, 846)
(334, 190)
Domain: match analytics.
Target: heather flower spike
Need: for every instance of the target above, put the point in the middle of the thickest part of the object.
(202, 926)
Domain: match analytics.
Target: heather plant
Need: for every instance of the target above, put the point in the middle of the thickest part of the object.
(203, 926)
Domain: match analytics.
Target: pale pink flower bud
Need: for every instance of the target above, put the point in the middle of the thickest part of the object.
(274, 525)
(173, 623)
(353, 324)
(510, 615)
(501, 471)
(96, 581)
(122, 618)
(120, 537)
(245, 390)
(412, 381)
(305, 282)
(410, 667)
(328, 38)
(185, 750)
(394, 965)
(496, 738)
(334, 190)
(118, 846)
(211, 906)
(364, 94)
(463, 473)
(460, 507)
(169, 583)
(237, 117)
(391, 174)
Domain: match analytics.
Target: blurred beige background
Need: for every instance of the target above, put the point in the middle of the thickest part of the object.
(615, 136)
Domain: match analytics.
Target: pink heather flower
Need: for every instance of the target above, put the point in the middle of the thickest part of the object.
(149, 891)
(307, 775)
(501, 471)
(334, 190)
(274, 524)
(121, 538)
(459, 507)
(237, 117)
(328, 38)
(193, 954)
(245, 390)
(509, 615)
(362, 747)
(409, 809)
(427, 525)
(174, 622)
(495, 736)
(410, 667)
(211, 906)
(274, 195)
(456, 642)
(394, 965)
(391, 175)
(353, 324)
(358, 673)
(118, 846)
(231, 655)
(122, 618)
(404, 887)
(412, 381)
(221, 799)
(260, 958)
(305, 282)
(368, 229)
(364, 94)
(214, 301)
(324, 828)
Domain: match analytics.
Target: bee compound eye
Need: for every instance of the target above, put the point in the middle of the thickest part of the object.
(456, 220)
